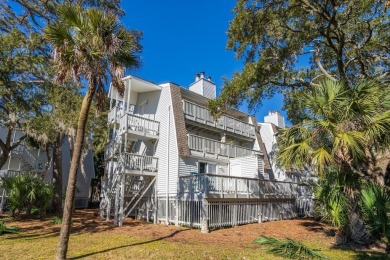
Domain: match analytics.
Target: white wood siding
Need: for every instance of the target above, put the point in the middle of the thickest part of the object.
(187, 165)
(166, 150)
(244, 167)
(269, 139)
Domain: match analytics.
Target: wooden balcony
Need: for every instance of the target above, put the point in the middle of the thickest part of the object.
(202, 115)
(205, 147)
(140, 164)
(144, 128)
(222, 186)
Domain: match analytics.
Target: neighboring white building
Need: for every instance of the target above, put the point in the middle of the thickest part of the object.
(269, 131)
(169, 161)
(27, 159)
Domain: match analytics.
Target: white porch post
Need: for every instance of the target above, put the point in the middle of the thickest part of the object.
(128, 95)
(122, 199)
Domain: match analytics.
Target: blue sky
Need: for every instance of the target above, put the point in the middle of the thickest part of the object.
(181, 38)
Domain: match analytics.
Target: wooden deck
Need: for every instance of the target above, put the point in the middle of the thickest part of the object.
(222, 186)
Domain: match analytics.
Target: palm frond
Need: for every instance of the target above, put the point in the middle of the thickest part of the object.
(8, 230)
(322, 159)
(378, 129)
(289, 248)
(375, 205)
(350, 145)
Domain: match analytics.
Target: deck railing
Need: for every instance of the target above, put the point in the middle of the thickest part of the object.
(206, 145)
(136, 162)
(201, 114)
(14, 173)
(22, 152)
(238, 187)
(139, 124)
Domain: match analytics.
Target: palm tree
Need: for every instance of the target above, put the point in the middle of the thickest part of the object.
(345, 133)
(89, 45)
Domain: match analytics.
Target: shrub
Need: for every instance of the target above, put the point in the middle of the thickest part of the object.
(27, 191)
(56, 220)
(375, 207)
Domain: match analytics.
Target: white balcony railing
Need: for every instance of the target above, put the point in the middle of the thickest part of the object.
(222, 185)
(139, 124)
(206, 145)
(201, 114)
(136, 162)
(135, 123)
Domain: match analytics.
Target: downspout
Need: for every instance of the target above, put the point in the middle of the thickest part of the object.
(169, 140)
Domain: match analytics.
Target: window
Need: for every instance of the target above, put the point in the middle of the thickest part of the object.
(202, 167)
(207, 167)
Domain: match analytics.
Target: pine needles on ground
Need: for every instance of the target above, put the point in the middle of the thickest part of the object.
(289, 248)
(8, 230)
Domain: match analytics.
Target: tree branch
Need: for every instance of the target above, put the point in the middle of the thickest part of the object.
(323, 70)
(18, 142)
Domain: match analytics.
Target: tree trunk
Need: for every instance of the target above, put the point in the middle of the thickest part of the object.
(57, 173)
(355, 230)
(5, 147)
(4, 158)
(48, 156)
(71, 188)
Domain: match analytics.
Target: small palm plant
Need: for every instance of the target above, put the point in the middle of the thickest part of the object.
(375, 205)
(27, 191)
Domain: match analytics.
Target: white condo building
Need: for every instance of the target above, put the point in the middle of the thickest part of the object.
(26, 159)
(169, 161)
(269, 132)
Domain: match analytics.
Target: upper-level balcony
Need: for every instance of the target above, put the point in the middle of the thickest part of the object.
(206, 147)
(143, 127)
(140, 164)
(202, 115)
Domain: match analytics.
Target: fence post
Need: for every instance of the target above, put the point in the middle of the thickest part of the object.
(260, 213)
(206, 183)
(222, 187)
(177, 212)
(247, 187)
(2, 202)
(122, 198)
(204, 222)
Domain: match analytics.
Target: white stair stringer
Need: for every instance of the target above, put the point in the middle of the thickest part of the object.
(137, 198)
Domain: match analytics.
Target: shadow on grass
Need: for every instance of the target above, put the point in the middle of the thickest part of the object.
(315, 226)
(374, 256)
(31, 236)
(364, 252)
(130, 245)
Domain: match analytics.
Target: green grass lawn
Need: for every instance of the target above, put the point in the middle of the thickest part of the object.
(103, 241)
